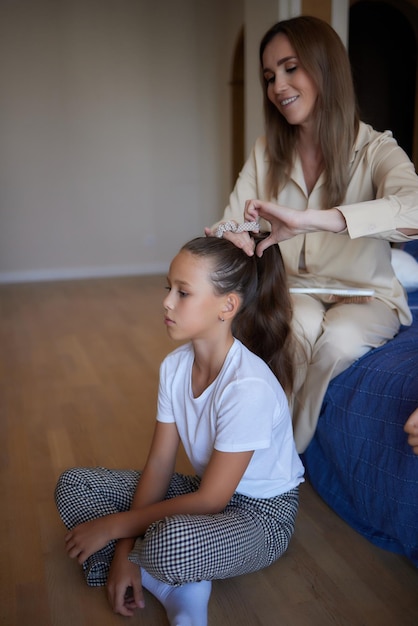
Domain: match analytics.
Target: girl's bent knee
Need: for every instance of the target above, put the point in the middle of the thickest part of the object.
(69, 477)
(170, 549)
(68, 492)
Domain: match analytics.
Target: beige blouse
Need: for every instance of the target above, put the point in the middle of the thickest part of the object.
(382, 196)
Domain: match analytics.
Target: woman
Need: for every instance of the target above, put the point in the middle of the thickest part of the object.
(334, 192)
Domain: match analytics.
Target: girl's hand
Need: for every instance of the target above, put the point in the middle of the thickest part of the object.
(85, 539)
(124, 586)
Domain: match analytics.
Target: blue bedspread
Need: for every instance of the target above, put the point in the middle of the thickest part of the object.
(359, 460)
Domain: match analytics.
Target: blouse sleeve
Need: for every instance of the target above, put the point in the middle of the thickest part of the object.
(395, 186)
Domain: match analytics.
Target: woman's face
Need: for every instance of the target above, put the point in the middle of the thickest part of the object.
(289, 87)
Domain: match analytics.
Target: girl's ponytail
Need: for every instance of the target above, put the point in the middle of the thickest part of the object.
(264, 323)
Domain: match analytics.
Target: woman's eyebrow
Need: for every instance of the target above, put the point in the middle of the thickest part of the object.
(280, 62)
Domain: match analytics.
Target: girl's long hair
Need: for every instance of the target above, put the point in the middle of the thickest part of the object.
(322, 54)
(263, 321)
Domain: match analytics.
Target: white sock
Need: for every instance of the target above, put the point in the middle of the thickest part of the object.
(186, 605)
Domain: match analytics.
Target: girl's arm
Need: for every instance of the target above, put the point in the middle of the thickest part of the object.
(221, 477)
(87, 538)
(124, 586)
(159, 467)
(219, 482)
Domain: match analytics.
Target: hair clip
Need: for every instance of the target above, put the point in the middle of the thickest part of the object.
(234, 227)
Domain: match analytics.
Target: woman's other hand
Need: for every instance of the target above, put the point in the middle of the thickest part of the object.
(411, 428)
(287, 223)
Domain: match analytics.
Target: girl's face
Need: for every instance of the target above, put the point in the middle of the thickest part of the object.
(289, 87)
(192, 309)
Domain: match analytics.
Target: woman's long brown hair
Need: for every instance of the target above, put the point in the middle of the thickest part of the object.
(322, 54)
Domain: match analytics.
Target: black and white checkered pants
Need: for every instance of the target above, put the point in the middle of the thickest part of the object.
(249, 534)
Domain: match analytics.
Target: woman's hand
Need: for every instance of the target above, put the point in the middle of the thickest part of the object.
(287, 223)
(85, 539)
(240, 240)
(124, 586)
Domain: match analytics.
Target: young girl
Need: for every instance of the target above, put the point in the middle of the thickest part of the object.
(171, 533)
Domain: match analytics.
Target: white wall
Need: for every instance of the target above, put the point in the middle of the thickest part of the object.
(114, 122)
(115, 127)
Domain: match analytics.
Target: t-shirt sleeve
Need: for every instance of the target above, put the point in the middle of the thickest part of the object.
(165, 405)
(245, 416)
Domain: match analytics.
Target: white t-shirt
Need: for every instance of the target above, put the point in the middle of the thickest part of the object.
(244, 408)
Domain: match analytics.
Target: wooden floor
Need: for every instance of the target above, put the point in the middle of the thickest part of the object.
(78, 385)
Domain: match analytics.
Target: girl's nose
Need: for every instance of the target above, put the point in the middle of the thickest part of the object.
(167, 301)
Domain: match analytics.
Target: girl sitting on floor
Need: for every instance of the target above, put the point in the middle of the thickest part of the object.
(171, 533)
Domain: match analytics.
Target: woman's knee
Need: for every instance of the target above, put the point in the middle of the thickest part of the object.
(346, 337)
(308, 315)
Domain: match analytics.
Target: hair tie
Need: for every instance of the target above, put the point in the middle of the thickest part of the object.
(233, 227)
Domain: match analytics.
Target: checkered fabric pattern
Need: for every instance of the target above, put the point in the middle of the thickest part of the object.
(248, 535)
(233, 227)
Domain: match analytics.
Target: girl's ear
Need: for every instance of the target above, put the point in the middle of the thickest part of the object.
(230, 306)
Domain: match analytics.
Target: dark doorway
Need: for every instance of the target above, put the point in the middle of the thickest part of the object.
(383, 53)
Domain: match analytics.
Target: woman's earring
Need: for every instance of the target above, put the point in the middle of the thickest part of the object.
(221, 319)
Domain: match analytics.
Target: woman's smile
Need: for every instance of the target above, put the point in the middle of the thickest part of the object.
(288, 83)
